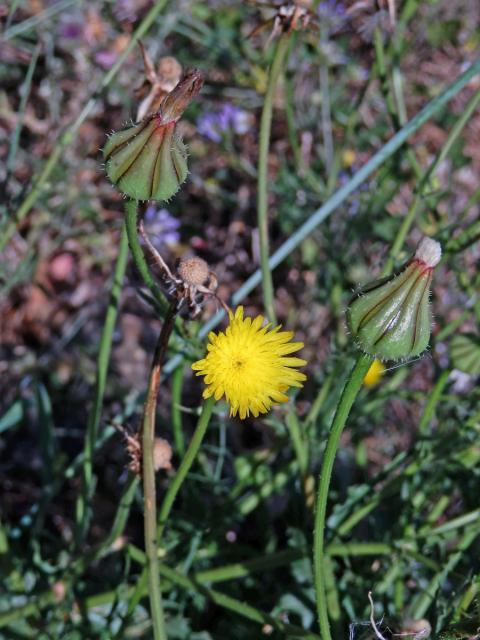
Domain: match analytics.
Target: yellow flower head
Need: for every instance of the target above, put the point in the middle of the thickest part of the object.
(374, 374)
(248, 365)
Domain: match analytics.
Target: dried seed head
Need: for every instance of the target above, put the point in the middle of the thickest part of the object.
(175, 103)
(162, 454)
(169, 73)
(193, 271)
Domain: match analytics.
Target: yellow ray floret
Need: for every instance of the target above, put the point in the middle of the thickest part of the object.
(250, 366)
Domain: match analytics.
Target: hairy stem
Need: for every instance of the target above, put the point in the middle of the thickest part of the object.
(347, 399)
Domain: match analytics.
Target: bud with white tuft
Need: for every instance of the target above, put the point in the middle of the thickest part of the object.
(391, 319)
(429, 252)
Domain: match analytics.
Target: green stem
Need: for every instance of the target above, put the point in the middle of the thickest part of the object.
(148, 471)
(262, 183)
(177, 385)
(466, 599)
(68, 135)
(385, 87)
(118, 525)
(131, 213)
(82, 508)
(297, 435)
(349, 394)
(187, 462)
(27, 85)
(433, 399)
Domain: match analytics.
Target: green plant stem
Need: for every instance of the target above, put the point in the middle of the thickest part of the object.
(466, 600)
(131, 216)
(148, 472)
(177, 386)
(347, 399)
(262, 180)
(27, 85)
(297, 436)
(186, 463)
(384, 83)
(68, 136)
(82, 507)
(118, 525)
(452, 137)
(274, 560)
(433, 399)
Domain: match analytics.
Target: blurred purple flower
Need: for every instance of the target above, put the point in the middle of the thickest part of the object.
(71, 27)
(106, 59)
(208, 127)
(331, 8)
(332, 14)
(162, 225)
(128, 9)
(213, 124)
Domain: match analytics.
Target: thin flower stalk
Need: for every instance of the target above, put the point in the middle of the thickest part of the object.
(415, 316)
(262, 180)
(187, 461)
(148, 472)
(347, 399)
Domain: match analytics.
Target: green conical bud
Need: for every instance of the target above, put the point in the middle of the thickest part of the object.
(465, 353)
(391, 319)
(148, 161)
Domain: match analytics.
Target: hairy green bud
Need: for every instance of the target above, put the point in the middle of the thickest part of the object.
(391, 319)
(148, 160)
